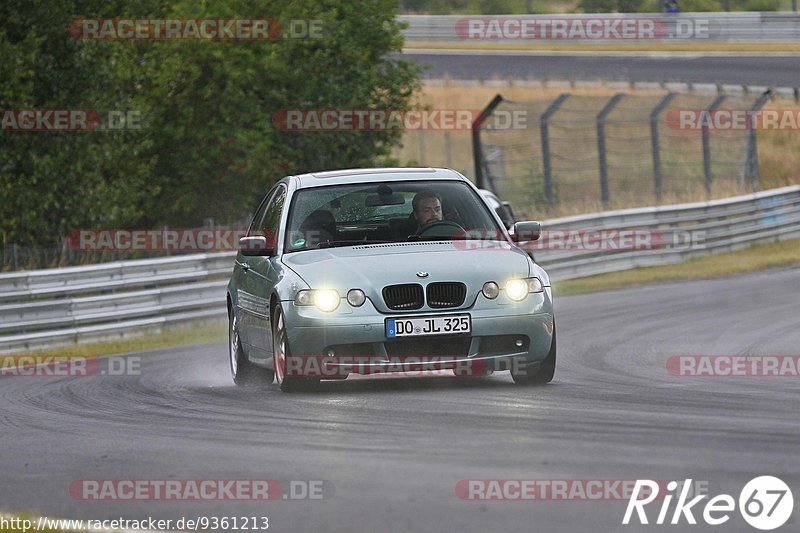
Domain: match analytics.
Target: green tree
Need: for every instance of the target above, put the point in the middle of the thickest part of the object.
(611, 6)
(49, 181)
(208, 146)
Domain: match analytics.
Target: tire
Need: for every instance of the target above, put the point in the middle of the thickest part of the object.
(544, 374)
(280, 349)
(243, 371)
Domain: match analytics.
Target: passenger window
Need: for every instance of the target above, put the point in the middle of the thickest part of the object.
(259, 216)
(269, 224)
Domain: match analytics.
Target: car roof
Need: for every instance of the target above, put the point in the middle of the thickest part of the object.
(376, 175)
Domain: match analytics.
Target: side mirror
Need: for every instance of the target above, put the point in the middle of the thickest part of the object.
(526, 231)
(255, 246)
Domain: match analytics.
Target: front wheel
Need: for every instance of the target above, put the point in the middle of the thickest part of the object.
(243, 371)
(280, 350)
(524, 375)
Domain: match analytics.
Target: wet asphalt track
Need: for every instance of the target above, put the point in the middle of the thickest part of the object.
(393, 449)
(748, 69)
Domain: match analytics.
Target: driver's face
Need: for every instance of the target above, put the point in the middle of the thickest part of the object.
(429, 210)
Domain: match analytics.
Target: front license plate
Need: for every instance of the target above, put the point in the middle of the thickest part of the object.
(428, 325)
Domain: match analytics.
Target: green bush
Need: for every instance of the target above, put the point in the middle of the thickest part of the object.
(208, 147)
(761, 5)
(700, 5)
(634, 6)
(615, 6)
(598, 6)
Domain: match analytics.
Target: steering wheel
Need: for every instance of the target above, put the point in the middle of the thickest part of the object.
(441, 228)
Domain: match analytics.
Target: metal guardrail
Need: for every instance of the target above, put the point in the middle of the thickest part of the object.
(43, 308)
(696, 27)
(680, 232)
(50, 307)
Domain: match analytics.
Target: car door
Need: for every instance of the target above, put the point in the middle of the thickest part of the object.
(261, 275)
(246, 304)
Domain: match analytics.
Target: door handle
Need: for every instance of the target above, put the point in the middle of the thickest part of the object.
(245, 266)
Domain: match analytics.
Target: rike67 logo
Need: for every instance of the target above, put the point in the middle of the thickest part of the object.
(765, 503)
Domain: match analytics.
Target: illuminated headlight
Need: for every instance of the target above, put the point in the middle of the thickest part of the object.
(518, 289)
(491, 290)
(326, 300)
(323, 299)
(356, 297)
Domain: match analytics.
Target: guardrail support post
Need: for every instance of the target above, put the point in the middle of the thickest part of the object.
(544, 135)
(477, 151)
(750, 171)
(601, 144)
(655, 144)
(707, 142)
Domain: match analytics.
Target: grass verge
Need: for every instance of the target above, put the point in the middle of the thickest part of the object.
(184, 335)
(755, 258)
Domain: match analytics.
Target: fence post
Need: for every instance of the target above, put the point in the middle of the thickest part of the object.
(750, 171)
(544, 135)
(654, 141)
(707, 141)
(601, 144)
(477, 151)
(495, 166)
(448, 155)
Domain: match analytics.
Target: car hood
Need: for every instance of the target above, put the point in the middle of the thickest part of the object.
(372, 267)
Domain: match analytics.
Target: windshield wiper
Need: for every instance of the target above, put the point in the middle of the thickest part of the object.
(353, 242)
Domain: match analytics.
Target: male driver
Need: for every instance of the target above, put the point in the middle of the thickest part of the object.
(427, 207)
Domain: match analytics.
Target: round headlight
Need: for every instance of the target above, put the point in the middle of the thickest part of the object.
(356, 297)
(491, 290)
(303, 298)
(326, 299)
(517, 289)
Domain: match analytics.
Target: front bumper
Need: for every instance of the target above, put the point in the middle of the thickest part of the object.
(353, 340)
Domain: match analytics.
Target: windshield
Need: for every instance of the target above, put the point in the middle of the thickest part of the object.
(345, 215)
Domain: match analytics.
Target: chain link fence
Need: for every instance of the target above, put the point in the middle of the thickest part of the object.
(578, 153)
(615, 151)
